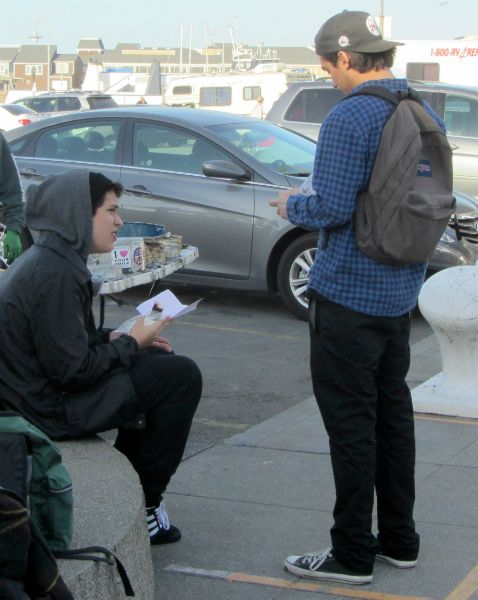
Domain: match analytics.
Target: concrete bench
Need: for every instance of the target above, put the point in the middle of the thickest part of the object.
(108, 511)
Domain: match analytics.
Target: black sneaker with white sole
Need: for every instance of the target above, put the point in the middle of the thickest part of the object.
(160, 530)
(323, 565)
(400, 563)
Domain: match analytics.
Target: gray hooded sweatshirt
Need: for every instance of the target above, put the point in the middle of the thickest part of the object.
(55, 367)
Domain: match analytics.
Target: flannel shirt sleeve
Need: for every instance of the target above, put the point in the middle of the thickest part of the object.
(339, 173)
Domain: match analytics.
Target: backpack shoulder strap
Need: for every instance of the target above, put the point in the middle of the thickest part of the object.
(378, 91)
(91, 553)
(383, 92)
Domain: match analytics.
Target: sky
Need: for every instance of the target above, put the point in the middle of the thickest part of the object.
(272, 22)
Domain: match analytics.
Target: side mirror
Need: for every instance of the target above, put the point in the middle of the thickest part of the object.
(225, 169)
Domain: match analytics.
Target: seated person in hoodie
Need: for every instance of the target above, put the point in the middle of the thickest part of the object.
(68, 378)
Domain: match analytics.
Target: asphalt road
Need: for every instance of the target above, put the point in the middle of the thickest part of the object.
(252, 352)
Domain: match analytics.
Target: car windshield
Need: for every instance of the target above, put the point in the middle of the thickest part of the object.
(276, 148)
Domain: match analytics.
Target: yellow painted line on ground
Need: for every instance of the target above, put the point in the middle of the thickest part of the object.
(444, 419)
(298, 586)
(224, 424)
(467, 587)
(238, 330)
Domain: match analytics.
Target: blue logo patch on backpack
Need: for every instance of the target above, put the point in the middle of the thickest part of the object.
(424, 168)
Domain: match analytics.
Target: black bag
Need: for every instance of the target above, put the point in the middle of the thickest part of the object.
(409, 201)
(34, 484)
(28, 568)
(32, 467)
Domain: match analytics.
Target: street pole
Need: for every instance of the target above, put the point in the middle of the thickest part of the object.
(36, 37)
(207, 54)
(381, 17)
(180, 47)
(49, 56)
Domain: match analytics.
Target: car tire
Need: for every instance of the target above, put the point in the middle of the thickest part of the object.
(293, 273)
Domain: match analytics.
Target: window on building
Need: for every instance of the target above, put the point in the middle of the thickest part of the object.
(34, 69)
(62, 68)
(215, 96)
(179, 90)
(251, 92)
(423, 71)
(3, 68)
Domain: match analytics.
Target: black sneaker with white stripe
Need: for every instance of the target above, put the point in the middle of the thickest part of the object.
(323, 565)
(160, 531)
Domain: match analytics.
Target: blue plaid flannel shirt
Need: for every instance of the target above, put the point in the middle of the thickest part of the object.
(348, 143)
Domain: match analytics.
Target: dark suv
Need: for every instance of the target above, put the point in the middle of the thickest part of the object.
(60, 102)
(304, 105)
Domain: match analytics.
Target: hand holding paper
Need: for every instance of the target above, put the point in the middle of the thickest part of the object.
(171, 309)
(171, 306)
(145, 334)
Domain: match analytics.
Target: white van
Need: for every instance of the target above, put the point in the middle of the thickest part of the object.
(236, 93)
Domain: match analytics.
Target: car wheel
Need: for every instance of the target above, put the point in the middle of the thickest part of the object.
(293, 274)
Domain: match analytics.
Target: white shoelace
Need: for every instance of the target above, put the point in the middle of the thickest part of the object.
(315, 560)
(162, 515)
(157, 520)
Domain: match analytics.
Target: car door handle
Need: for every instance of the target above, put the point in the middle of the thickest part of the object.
(30, 173)
(139, 190)
(454, 147)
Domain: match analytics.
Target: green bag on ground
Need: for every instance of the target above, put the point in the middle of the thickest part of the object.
(31, 465)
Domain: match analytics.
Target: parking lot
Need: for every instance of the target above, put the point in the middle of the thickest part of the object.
(252, 352)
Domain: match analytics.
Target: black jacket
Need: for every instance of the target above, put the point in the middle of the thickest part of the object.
(55, 369)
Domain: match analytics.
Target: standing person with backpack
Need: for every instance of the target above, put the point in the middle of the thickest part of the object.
(359, 318)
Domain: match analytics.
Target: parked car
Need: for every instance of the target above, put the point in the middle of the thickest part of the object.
(304, 106)
(208, 176)
(53, 102)
(14, 115)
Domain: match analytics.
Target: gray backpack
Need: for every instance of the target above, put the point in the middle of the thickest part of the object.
(409, 201)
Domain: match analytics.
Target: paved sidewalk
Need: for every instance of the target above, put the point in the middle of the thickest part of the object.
(264, 494)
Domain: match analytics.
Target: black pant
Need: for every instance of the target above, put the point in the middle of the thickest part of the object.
(168, 388)
(359, 364)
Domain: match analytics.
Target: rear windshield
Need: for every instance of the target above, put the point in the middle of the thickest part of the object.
(17, 109)
(101, 102)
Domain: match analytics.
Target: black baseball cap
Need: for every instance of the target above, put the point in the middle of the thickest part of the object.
(352, 30)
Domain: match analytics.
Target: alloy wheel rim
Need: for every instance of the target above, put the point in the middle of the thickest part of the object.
(299, 275)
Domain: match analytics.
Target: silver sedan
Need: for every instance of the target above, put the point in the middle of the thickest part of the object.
(208, 176)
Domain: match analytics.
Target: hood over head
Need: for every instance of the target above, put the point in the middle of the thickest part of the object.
(62, 204)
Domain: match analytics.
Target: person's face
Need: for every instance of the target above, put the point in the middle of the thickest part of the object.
(106, 223)
(338, 73)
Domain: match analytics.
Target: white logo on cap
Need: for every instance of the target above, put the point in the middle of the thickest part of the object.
(343, 41)
(372, 26)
